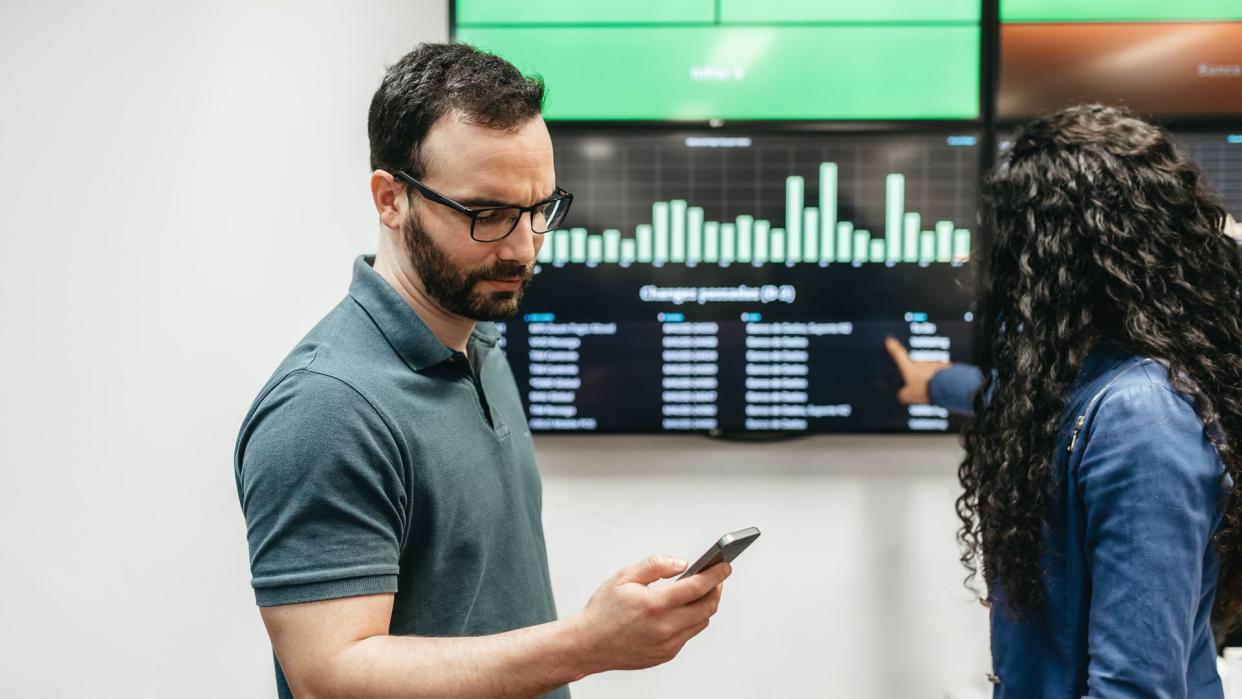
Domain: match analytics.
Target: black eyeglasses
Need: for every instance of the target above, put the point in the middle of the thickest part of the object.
(489, 224)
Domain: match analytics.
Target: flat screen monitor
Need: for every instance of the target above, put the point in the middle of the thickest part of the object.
(699, 60)
(1218, 154)
(735, 281)
(1156, 57)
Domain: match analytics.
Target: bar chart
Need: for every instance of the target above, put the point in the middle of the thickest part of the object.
(678, 234)
(727, 210)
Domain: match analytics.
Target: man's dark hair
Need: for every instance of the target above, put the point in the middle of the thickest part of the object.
(1103, 231)
(434, 80)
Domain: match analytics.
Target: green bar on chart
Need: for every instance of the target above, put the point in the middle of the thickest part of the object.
(659, 222)
(910, 245)
(578, 245)
(862, 245)
(547, 251)
(612, 245)
(629, 251)
(894, 207)
(694, 231)
(777, 254)
(845, 236)
(944, 241)
(810, 234)
(711, 241)
(961, 244)
(760, 252)
(677, 230)
(645, 250)
(728, 243)
(927, 247)
(595, 250)
(561, 240)
(828, 211)
(745, 239)
(795, 193)
(879, 251)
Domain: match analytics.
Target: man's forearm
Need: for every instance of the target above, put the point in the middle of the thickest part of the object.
(523, 663)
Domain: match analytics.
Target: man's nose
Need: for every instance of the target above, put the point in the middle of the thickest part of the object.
(519, 246)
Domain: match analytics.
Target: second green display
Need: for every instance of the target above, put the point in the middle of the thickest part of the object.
(696, 73)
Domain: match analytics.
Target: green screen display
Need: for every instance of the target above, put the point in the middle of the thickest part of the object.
(1119, 10)
(695, 60)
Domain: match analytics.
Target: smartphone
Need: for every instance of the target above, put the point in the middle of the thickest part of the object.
(723, 551)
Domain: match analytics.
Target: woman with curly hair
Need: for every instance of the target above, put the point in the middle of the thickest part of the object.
(1098, 505)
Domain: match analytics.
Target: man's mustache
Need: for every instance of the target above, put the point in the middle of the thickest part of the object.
(503, 270)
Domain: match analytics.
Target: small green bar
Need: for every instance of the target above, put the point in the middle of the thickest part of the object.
(694, 232)
(745, 239)
(894, 207)
(862, 245)
(777, 253)
(795, 193)
(944, 241)
(845, 234)
(728, 243)
(612, 246)
(711, 241)
(578, 245)
(643, 235)
(910, 246)
(659, 221)
(810, 234)
(961, 245)
(561, 256)
(629, 251)
(828, 211)
(879, 251)
(547, 250)
(677, 230)
(595, 250)
(927, 247)
(762, 233)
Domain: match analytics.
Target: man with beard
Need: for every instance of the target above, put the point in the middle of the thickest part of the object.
(386, 470)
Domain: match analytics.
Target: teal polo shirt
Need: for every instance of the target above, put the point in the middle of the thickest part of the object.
(377, 460)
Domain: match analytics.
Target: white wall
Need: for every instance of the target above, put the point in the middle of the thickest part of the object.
(182, 189)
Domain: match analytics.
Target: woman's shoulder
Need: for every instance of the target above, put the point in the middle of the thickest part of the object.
(1142, 412)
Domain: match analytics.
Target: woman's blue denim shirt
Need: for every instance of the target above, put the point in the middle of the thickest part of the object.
(1130, 569)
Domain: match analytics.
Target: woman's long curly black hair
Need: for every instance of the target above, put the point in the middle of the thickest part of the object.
(1101, 230)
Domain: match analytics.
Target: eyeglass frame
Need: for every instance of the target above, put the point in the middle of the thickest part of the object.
(473, 213)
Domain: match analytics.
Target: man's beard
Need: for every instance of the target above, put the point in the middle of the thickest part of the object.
(454, 288)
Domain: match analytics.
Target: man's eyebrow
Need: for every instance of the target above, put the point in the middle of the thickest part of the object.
(482, 202)
(476, 203)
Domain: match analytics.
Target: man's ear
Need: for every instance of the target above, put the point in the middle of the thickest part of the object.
(389, 198)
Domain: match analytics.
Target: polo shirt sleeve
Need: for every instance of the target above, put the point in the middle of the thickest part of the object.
(322, 491)
(1151, 489)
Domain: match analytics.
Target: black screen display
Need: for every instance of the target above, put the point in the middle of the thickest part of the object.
(745, 282)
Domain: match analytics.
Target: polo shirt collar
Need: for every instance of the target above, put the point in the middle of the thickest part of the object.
(405, 331)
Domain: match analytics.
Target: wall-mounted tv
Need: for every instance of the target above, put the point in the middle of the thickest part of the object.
(744, 281)
(1157, 57)
(699, 60)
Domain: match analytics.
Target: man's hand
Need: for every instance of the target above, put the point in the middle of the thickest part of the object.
(915, 376)
(341, 648)
(627, 625)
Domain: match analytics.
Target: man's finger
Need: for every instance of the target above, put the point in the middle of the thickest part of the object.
(696, 586)
(652, 569)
